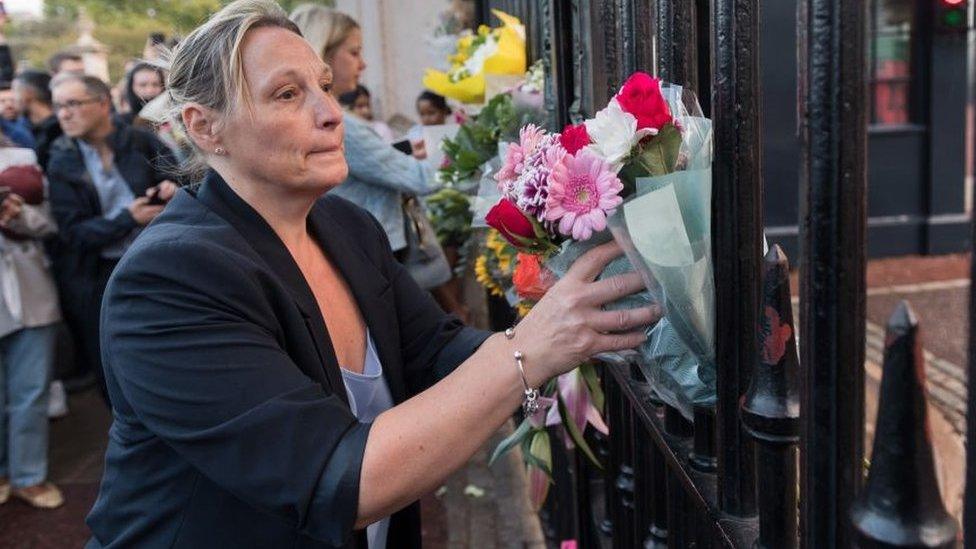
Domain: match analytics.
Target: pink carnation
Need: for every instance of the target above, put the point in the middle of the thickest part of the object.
(583, 190)
(516, 155)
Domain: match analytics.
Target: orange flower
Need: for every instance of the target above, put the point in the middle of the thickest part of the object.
(530, 278)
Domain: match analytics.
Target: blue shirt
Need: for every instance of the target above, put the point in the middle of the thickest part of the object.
(369, 396)
(379, 176)
(19, 131)
(114, 195)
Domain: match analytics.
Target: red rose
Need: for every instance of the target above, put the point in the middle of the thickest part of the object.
(574, 138)
(509, 220)
(641, 97)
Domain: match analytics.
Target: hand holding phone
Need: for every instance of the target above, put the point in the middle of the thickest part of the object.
(154, 197)
(404, 146)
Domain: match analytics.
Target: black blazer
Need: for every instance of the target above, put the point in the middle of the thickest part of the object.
(142, 160)
(231, 422)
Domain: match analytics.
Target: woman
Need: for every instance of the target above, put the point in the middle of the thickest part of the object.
(29, 314)
(277, 380)
(145, 83)
(144, 86)
(379, 175)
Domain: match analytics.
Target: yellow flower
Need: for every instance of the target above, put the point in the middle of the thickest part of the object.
(507, 59)
(523, 308)
(484, 278)
(505, 263)
(464, 43)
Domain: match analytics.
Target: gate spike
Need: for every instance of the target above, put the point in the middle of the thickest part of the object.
(771, 408)
(901, 505)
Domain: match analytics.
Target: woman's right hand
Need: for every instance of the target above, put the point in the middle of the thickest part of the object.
(568, 325)
(419, 149)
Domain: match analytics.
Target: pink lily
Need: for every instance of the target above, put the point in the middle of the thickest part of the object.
(579, 406)
(538, 487)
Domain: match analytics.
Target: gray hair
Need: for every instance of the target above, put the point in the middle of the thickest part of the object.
(324, 28)
(206, 67)
(94, 86)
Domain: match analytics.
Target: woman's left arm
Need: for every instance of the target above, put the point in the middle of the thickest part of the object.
(372, 160)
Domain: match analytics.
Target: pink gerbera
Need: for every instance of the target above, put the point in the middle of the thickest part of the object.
(583, 190)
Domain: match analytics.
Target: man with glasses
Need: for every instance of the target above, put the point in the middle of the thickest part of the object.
(106, 183)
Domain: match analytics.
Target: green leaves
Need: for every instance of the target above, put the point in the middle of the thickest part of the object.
(659, 155)
(450, 214)
(511, 441)
(477, 140)
(539, 452)
(592, 379)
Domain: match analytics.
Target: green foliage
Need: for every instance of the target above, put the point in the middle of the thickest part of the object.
(511, 441)
(477, 140)
(658, 156)
(32, 42)
(122, 25)
(450, 213)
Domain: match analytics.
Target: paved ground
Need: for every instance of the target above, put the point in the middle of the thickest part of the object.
(497, 515)
(938, 290)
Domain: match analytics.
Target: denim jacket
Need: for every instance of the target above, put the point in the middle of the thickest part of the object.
(379, 176)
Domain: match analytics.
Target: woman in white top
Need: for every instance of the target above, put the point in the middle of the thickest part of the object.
(28, 314)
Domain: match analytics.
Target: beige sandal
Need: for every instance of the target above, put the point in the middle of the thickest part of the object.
(48, 498)
(4, 492)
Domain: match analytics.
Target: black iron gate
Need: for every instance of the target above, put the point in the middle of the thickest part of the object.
(779, 460)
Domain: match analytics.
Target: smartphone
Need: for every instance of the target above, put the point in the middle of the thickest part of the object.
(404, 146)
(154, 199)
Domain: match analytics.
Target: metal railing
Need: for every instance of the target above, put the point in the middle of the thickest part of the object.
(779, 461)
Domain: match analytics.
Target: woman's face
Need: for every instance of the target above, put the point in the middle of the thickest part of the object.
(146, 84)
(347, 63)
(430, 115)
(292, 134)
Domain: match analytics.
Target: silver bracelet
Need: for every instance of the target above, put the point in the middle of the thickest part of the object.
(531, 403)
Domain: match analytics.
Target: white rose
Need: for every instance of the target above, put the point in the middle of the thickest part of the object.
(614, 134)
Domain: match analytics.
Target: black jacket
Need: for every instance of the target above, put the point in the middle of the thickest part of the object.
(141, 158)
(45, 135)
(231, 422)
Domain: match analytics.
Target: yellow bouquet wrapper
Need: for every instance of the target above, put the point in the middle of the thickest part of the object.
(507, 59)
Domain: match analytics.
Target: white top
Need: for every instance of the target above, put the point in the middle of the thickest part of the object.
(369, 396)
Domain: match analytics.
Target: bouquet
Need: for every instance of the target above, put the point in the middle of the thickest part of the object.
(563, 193)
(490, 51)
(477, 140)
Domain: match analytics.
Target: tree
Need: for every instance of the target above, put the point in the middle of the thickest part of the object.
(122, 25)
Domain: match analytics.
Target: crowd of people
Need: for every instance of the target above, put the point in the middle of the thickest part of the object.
(83, 171)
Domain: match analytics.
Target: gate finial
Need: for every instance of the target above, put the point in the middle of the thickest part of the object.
(771, 407)
(901, 505)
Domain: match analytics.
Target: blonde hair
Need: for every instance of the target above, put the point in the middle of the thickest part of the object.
(324, 28)
(206, 67)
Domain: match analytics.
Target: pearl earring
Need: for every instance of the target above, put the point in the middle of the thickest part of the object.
(219, 151)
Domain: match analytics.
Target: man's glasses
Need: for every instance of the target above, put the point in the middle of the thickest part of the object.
(73, 104)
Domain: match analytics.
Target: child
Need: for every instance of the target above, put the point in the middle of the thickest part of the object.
(358, 102)
(432, 109)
